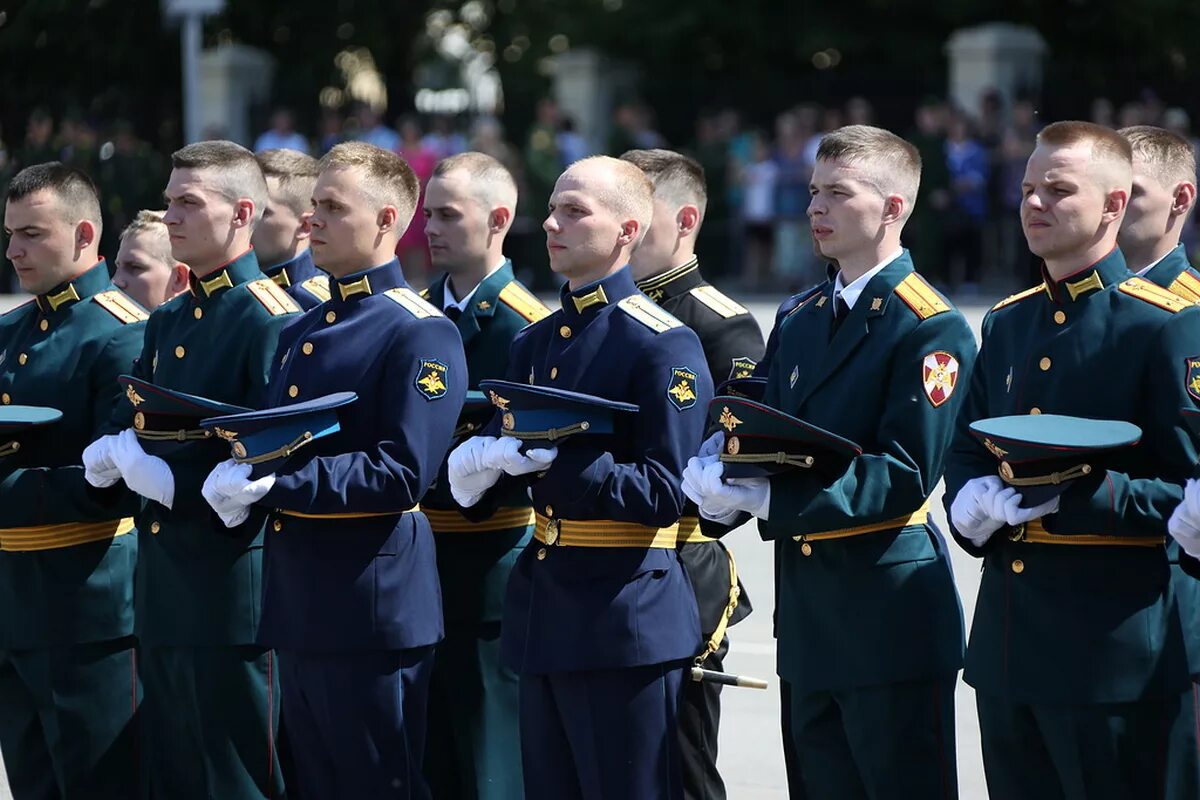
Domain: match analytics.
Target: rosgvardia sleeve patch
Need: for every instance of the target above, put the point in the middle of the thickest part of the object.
(681, 390)
(431, 379)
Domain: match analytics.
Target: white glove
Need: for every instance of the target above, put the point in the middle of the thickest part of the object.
(505, 453)
(144, 474)
(752, 495)
(971, 511)
(470, 474)
(99, 469)
(1184, 525)
(230, 492)
(712, 446)
(1013, 514)
(710, 453)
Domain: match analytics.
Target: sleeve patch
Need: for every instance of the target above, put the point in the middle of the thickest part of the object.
(939, 376)
(121, 306)
(1192, 381)
(645, 311)
(717, 301)
(743, 367)
(1019, 296)
(522, 301)
(274, 299)
(431, 378)
(682, 389)
(1155, 295)
(920, 297)
(411, 302)
(318, 287)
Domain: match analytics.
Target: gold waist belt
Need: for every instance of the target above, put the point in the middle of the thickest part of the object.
(918, 517)
(1033, 531)
(447, 521)
(67, 534)
(603, 533)
(345, 514)
(689, 531)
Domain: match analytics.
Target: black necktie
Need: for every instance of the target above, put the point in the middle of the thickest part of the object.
(453, 313)
(841, 310)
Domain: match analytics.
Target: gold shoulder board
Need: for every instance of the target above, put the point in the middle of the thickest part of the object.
(1155, 295)
(645, 311)
(273, 298)
(1186, 286)
(522, 301)
(411, 302)
(718, 302)
(318, 287)
(424, 293)
(1030, 292)
(120, 306)
(920, 297)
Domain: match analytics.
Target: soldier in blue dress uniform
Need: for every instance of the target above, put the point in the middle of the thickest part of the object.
(350, 588)
(281, 238)
(600, 618)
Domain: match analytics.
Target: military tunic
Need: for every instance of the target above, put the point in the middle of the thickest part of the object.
(301, 279)
(1076, 651)
(474, 750)
(68, 683)
(211, 691)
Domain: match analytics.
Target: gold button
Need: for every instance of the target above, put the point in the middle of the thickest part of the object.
(549, 511)
(197, 312)
(44, 325)
(307, 348)
(553, 373)
(155, 527)
(1044, 364)
(1035, 411)
(806, 549)
(330, 317)
(564, 332)
(541, 554)
(277, 526)
(4, 398)
(1060, 317)
(1018, 566)
(293, 390)
(21, 359)
(180, 352)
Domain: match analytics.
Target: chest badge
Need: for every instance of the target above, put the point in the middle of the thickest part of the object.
(939, 376)
(431, 378)
(795, 376)
(3, 356)
(682, 389)
(1008, 381)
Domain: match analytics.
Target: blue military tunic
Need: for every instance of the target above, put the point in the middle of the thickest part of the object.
(301, 279)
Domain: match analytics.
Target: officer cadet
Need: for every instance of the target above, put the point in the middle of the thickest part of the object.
(68, 681)
(351, 598)
(667, 270)
(869, 624)
(210, 710)
(281, 238)
(1162, 198)
(146, 270)
(1076, 652)
(474, 750)
(600, 619)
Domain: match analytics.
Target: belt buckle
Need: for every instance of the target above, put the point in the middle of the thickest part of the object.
(1018, 533)
(552, 531)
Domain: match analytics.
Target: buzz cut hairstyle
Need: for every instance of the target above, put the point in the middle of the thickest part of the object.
(629, 194)
(1169, 157)
(388, 180)
(151, 223)
(1111, 156)
(296, 173)
(491, 184)
(890, 164)
(77, 196)
(678, 179)
(234, 171)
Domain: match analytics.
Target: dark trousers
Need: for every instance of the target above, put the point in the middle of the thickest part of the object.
(473, 747)
(1183, 751)
(210, 717)
(1115, 751)
(603, 735)
(356, 721)
(879, 742)
(699, 722)
(68, 718)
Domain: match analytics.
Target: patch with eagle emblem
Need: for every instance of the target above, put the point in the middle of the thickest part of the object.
(431, 378)
(681, 390)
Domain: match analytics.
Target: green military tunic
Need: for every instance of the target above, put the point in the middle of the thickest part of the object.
(1077, 651)
(68, 685)
(211, 693)
(474, 750)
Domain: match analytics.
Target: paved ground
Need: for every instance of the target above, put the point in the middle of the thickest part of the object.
(751, 754)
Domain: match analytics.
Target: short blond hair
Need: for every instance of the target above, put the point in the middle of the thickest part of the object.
(159, 241)
(491, 184)
(1109, 149)
(388, 180)
(629, 193)
(234, 170)
(890, 164)
(1169, 157)
(297, 175)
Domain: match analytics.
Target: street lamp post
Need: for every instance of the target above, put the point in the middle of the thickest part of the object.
(191, 14)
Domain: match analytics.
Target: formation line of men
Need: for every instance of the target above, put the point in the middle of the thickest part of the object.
(275, 524)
